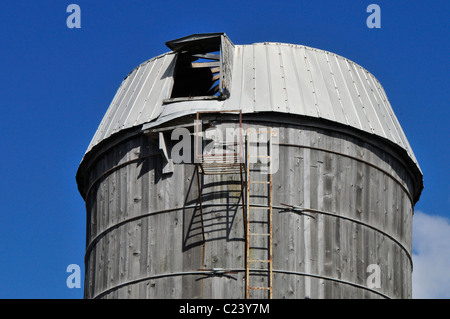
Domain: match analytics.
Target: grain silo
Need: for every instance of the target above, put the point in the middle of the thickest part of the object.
(308, 192)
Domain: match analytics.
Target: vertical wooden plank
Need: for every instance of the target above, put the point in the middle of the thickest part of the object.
(320, 222)
(307, 221)
(314, 203)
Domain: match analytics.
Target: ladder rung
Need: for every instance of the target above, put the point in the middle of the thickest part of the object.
(259, 234)
(260, 288)
(259, 261)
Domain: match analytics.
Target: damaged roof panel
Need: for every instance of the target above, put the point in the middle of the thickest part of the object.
(197, 43)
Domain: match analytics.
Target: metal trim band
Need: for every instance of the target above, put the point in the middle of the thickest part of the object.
(104, 232)
(187, 273)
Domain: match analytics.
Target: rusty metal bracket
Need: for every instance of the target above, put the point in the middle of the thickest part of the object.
(297, 209)
(217, 272)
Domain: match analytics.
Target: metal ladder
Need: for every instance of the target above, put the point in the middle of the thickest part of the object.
(259, 246)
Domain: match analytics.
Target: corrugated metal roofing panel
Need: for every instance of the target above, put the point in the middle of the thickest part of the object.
(262, 88)
(160, 90)
(291, 80)
(374, 103)
(320, 91)
(243, 85)
(278, 84)
(361, 87)
(141, 111)
(330, 86)
(139, 98)
(381, 108)
(305, 85)
(133, 104)
(130, 96)
(311, 100)
(346, 102)
(354, 103)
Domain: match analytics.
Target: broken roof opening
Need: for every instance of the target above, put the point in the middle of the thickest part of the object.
(203, 67)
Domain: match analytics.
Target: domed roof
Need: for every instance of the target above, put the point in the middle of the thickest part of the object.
(261, 77)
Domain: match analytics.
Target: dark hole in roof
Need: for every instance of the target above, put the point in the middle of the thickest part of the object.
(191, 81)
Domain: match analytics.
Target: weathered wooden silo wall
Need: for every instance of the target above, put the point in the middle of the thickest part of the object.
(144, 236)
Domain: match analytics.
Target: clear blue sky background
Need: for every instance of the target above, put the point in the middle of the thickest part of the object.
(56, 84)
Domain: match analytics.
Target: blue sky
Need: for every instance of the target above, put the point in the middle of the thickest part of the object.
(57, 83)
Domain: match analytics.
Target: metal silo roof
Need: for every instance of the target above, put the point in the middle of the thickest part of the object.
(306, 81)
(266, 77)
